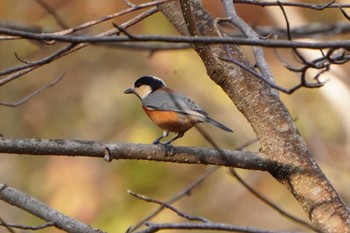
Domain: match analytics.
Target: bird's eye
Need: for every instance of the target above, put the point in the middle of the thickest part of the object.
(137, 84)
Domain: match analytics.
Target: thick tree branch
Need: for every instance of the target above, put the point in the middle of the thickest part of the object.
(273, 125)
(161, 153)
(44, 212)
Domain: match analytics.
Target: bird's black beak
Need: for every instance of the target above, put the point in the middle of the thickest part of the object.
(129, 91)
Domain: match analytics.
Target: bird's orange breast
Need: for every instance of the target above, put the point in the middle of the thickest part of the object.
(170, 121)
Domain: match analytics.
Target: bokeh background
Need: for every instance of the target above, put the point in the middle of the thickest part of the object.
(89, 104)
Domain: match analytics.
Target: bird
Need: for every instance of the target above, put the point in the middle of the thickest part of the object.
(170, 110)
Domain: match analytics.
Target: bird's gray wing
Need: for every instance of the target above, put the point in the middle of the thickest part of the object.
(172, 101)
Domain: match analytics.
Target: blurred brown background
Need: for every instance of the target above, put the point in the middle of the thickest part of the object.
(89, 104)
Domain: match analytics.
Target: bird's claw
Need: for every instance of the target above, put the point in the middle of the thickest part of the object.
(168, 149)
(156, 142)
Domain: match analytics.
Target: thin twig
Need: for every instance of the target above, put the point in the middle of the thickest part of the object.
(21, 59)
(147, 47)
(19, 71)
(6, 225)
(26, 98)
(154, 227)
(344, 13)
(59, 20)
(111, 16)
(187, 191)
(130, 4)
(318, 7)
(295, 50)
(235, 20)
(170, 207)
(121, 29)
(268, 202)
(26, 227)
(279, 88)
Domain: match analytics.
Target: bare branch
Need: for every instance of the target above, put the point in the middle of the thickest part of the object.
(154, 47)
(344, 13)
(21, 59)
(90, 23)
(250, 33)
(318, 7)
(121, 29)
(311, 30)
(268, 202)
(19, 71)
(188, 155)
(178, 39)
(23, 100)
(205, 225)
(44, 212)
(130, 4)
(59, 20)
(6, 225)
(26, 227)
(170, 207)
(109, 17)
(187, 191)
(256, 74)
(154, 227)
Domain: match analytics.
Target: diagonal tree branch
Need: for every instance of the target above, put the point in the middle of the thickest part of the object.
(268, 202)
(187, 191)
(41, 210)
(37, 92)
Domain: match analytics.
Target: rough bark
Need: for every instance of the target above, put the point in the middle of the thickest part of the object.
(279, 137)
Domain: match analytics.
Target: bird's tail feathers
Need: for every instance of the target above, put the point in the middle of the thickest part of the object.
(218, 124)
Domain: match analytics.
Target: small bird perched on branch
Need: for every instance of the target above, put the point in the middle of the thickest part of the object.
(170, 110)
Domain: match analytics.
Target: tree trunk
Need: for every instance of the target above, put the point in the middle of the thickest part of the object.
(279, 138)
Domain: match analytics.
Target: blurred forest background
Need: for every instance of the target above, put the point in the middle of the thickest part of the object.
(89, 104)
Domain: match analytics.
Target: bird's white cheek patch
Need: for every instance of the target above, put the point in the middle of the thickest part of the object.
(143, 91)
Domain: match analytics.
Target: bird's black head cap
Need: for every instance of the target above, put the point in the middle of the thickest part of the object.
(154, 82)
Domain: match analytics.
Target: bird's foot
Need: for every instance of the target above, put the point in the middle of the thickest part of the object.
(156, 142)
(168, 149)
